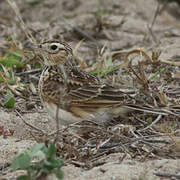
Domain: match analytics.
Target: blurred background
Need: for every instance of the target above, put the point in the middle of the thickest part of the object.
(117, 24)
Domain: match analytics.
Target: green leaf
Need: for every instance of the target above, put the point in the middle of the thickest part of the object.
(9, 100)
(47, 163)
(107, 69)
(12, 58)
(33, 2)
(57, 163)
(21, 162)
(23, 177)
(51, 151)
(154, 75)
(108, 62)
(37, 147)
(38, 154)
(38, 165)
(12, 76)
(36, 151)
(149, 120)
(1, 78)
(59, 173)
(47, 169)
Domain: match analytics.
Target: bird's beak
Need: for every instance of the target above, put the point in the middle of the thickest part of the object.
(34, 47)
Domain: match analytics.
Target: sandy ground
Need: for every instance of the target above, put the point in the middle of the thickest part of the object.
(134, 33)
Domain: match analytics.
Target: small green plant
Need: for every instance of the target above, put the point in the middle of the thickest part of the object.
(10, 84)
(149, 120)
(9, 100)
(47, 162)
(108, 68)
(155, 75)
(11, 59)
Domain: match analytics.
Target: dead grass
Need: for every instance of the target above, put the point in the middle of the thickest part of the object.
(152, 83)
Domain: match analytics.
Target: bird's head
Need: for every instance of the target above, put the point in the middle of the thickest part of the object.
(54, 52)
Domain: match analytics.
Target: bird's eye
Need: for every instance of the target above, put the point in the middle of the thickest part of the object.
(53, 47)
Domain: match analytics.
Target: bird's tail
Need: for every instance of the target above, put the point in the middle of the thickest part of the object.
(174, 110)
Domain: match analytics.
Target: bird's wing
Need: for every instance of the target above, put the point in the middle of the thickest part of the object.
(88, 92)
(96, 96)
(103, 96)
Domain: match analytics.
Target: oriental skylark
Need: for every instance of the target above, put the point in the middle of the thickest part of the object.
(76, 94)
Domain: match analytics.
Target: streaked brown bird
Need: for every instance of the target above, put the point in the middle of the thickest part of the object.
(77, 94)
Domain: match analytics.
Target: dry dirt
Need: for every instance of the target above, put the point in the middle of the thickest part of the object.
(46, 16)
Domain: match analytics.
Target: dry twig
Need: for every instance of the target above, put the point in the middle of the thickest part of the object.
(30, 125)
(165, 174)
(22, 24)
